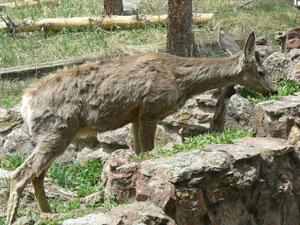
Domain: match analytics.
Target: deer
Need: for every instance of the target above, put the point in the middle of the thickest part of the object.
(228, 45)
(100, 96)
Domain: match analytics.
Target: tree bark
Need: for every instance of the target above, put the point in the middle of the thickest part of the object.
(113, 7)
(180, 37)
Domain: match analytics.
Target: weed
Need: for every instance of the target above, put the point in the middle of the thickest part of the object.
(11, 162)
(84, 179)
(285, 87)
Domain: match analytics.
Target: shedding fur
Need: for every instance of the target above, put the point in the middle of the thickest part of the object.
(101, 96)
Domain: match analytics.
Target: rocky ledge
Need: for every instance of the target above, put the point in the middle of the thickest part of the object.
(254, 181)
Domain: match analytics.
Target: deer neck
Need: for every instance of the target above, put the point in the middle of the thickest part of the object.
(195, 76)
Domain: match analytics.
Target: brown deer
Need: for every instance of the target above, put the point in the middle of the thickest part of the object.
(230, 46)
(106, 95)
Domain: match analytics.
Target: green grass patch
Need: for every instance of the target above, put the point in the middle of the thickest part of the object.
(11, 162)
(196, 143)
(83, 179)
(285, 87)
(11, 91)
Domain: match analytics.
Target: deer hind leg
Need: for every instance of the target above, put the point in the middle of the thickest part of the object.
(136, 139)
(39, 192)
(34, 168)
(146, 133)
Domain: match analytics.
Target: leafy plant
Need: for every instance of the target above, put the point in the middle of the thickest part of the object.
(11, 162)
(84, 179)
(285, 87)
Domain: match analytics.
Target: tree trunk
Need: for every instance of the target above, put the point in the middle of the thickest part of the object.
(113, 7)
(180, 37)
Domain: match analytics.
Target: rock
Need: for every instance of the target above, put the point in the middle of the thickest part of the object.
(238, 113)
(166, 135)
(292, 43)
(194, 117)
(294, 135)
(141, 213)
(276, 118)
(293, 54)
(294, 71)
(250, 182)
(17, 143)
(86, 154)
(95, 197)
(91, 219)
(119, 174)
(9, 119)
(264, 51)
(24, 220)
(277, 66)
(262, 40)
(118, 138)
(137, 213)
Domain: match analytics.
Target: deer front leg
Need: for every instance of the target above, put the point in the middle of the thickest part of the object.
(147, 128)
(39, 192)
(136, 140)
(32, 169)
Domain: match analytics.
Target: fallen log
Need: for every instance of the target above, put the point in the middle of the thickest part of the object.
(19, 5)
(105, 22)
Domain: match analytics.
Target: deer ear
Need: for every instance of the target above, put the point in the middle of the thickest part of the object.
(227, 43)
(249, 47)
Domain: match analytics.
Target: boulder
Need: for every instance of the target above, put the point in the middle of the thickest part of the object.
(276, 118)
(119, 174)
(194, 117)
(239, 113)
(137, 213)
(277, 66)
(253, 181)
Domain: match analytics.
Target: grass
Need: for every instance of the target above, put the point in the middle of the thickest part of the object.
(83, 179)
(39, 47)
(285, 87)
(11, 91)
(196, 143)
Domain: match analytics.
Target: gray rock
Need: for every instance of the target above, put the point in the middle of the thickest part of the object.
(277, 66)
(17, 143)
(86, 154)
(294, 71)
(194, 117)
(91, 219)
(250, 182)
(276, 118)
(238, 113)
(137, 213)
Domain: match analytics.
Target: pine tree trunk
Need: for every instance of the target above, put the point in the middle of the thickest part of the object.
(180, 37)
(113, 7)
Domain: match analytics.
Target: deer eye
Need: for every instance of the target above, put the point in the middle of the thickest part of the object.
(261, 73)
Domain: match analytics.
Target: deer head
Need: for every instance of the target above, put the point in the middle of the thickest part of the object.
(253, 73)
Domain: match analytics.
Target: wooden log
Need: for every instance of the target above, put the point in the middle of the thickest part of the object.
(105, 22)
(19, 5)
